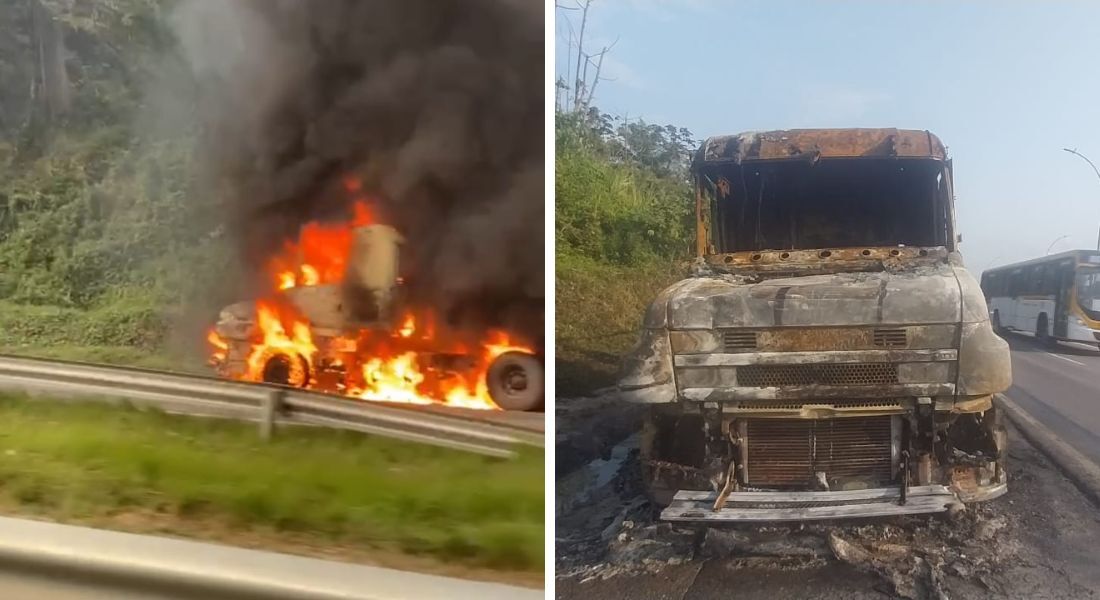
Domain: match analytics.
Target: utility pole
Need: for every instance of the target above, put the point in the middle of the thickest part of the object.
(1094, 170)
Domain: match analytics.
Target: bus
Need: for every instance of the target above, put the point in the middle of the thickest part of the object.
(1055, 297)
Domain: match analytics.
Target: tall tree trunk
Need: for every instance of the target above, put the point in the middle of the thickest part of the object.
(53, 90)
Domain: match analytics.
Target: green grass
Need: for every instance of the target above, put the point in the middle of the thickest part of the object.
(79, 462)
(599, 316)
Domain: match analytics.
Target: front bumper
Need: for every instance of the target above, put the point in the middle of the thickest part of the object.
(695, 506)
(1078, 331)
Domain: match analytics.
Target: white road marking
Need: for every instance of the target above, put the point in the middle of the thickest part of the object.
(1067, 358)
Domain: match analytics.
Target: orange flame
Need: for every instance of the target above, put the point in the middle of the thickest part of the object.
(393, 380)
(310, 276)
(320, 254)
(221, 348)
(408, 327)
(391, 366)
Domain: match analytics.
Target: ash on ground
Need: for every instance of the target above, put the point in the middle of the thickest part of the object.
(607, 529)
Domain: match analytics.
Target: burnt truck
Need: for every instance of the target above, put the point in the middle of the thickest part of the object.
(829, 356)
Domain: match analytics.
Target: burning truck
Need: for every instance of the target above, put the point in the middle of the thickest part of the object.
(338, 321)
(830, 356)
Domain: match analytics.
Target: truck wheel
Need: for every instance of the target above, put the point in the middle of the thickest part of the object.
(283, 369)
(516, 381)
(1042, 332)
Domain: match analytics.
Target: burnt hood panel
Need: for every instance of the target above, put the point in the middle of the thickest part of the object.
(929, 295)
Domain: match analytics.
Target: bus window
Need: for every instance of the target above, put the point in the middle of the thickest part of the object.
(995, 286)
(1088, 293)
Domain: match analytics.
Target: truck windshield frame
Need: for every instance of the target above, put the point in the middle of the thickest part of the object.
(829, 203)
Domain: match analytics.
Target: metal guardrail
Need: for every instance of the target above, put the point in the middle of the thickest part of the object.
(268, 404)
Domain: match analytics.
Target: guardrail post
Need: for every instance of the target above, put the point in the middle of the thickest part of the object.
(272, 405)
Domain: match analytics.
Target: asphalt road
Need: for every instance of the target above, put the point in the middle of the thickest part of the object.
(1060, 387)
(24, 586)
(49, 561)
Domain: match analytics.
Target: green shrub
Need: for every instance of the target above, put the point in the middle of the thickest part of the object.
(599, 316)
(613, 209)
(624, 213)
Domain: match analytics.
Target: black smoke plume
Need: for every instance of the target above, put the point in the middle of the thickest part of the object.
(437, 105)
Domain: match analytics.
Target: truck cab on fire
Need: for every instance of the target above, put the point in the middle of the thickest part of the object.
(830, 356)
(347, 336)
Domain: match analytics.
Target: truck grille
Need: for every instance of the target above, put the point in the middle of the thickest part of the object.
(788, 452)
(733, 340)
(826, 374)
(891, 338)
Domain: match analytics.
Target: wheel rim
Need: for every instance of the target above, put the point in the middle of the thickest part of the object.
(514, 381)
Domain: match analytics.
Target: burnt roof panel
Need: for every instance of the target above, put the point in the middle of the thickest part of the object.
(814, 144)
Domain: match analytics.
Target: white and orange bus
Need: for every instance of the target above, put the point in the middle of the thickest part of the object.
(1056, 297)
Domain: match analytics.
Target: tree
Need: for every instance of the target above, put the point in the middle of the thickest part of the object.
(664, 150)
(584, 87)
(622, 191)
(52, 90)
(16, 67)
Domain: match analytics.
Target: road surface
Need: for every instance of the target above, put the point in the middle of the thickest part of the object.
(48, 561)
(1060, 387)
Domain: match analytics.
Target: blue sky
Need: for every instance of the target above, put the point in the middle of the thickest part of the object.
(1005, 85)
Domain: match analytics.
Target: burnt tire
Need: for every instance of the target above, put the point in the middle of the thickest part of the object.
(284, 369)
(515, 381)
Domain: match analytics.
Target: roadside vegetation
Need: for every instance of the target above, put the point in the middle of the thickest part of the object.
(103, 242)
(309, 491)
(623, 232)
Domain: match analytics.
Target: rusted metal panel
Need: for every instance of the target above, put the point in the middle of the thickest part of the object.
(815, 144)
(787, 340)
(816, 409)
(701, 232)
(696, 506)
(793, 451)
(795, 392)
(812, 357)
(919, 296)
(827, 260)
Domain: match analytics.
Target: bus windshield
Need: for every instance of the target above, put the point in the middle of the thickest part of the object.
(1088, 292)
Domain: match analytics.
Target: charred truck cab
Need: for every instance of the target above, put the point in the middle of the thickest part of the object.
(830, 356)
